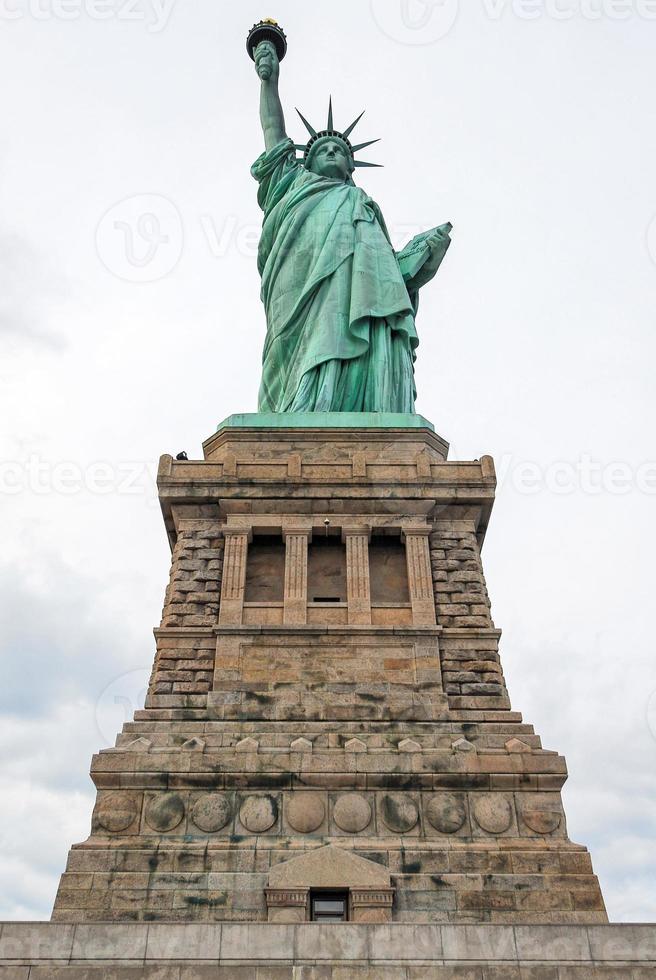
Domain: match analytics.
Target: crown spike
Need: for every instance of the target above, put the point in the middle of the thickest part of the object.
(348, 131)
(331, 124)
(361, 163)
(363, 146)
(309, 128)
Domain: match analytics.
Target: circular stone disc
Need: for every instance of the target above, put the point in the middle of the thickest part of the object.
(115, 812)
(493, 814)
(165, 812)
(258, 813)
(352, 813)
(447, 813)
(542, 821)
(305, 812)
(399, 813)
(211, 812)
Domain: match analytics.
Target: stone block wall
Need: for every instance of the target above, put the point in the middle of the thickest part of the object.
(192, 595)
(460, 591)
(215, 951)
(184, 664)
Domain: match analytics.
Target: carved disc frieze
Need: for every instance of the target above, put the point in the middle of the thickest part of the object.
(259, 813)
(211, 812)
(542, 821)
(305, 812)
(493, 813)
(399, 812)
(447, 812)
(352, 813)
(115, 812)
(165, 812)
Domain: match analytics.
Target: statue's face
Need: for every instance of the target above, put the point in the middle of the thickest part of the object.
(330, 159)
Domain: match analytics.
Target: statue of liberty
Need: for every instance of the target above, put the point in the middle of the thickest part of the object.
(340, 302)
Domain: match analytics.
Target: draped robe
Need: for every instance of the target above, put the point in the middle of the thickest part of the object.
(341, 330)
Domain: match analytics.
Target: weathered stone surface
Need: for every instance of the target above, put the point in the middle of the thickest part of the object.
(329, 867)
(305, 812)
(516, 745)
(355, 745)
(247, 745)
(212, 812)
(447, 812)
(193, 745)
(409, 745)
(165, 811)
(352, 813)
(301, 745)
(493, 813)
(216, 951)
(400, 813)
(116, 811)
(259, 813)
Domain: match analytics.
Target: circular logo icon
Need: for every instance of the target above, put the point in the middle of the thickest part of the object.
(119, 701)
(415, 22)
(140, 239)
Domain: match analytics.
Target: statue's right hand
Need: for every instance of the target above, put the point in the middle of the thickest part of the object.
(267, 64)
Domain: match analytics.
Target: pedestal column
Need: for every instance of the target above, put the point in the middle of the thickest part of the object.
(357, 576)
(234, 576)
(420, 579)
(296, 561)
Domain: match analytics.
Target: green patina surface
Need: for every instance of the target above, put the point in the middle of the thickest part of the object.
(340, 301)
(326, 420)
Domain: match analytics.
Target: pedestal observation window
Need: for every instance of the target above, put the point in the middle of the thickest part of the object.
(265, 569)
(326, 570)
(328, 906)
(388, 570)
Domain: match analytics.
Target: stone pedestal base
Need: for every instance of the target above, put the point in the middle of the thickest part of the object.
(325, 952)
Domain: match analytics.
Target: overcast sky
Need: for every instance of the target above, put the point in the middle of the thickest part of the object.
(130, 325)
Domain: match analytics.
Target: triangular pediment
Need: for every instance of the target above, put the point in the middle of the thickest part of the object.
(329, 867)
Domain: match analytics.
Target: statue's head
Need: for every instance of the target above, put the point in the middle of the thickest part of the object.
(330, 152)
(331, 157)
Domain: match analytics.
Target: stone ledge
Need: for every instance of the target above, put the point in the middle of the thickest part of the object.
(630, 949)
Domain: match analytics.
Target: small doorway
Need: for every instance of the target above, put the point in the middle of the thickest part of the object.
(329, 906)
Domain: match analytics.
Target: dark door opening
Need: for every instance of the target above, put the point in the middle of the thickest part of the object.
(329, 906)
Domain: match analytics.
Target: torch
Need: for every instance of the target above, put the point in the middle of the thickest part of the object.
(267, 30)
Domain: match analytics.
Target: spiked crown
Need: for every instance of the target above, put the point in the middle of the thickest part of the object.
(330, 132)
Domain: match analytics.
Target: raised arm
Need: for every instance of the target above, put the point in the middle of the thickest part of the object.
(271, 112)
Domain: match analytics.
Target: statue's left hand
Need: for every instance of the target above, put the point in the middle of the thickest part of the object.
(431, 248)
(436, 243)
